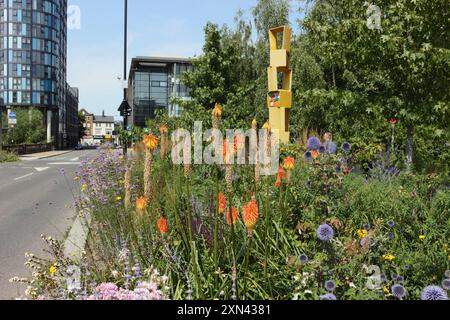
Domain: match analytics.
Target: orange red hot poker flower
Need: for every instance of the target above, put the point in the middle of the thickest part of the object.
(141, 203)
(163, 225)
(150, 141)
(289, 164)
(222, 202)
(280, 177)
(250, 215)
(233, 215)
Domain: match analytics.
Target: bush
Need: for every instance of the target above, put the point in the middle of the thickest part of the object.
(8, 157)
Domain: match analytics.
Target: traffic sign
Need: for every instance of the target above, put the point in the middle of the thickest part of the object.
(12, 118)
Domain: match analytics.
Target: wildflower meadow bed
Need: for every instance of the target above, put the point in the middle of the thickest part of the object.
(316, 230)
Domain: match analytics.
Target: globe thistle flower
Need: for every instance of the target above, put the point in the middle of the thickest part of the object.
(322, 150)
(304, 258)
(399, 291)
(446, 284)
(325, 233)
(383, 277)
(328, 296)
(394, 277)
(434, 293)
(313, 143)
(391, 236)
(330, 286)
(391, 224)
(308, 156)
(346, 147)
(400, 279)
(367, 227)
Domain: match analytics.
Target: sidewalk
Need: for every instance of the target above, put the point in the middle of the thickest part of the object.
(43, 155)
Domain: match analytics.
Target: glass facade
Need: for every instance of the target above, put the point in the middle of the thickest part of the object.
(33, 51)
(153, 85)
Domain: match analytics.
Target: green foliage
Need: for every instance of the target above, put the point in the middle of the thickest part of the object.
(8, 157)
(29, 129)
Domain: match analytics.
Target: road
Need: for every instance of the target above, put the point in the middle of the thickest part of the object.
(35, 199)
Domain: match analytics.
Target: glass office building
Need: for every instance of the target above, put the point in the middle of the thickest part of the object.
(152, 84)
(33, 51)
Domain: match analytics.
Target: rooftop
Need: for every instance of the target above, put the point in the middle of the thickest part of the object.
(141, 61)
(103, 119)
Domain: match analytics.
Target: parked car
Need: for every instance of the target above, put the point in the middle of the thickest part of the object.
(79, 147)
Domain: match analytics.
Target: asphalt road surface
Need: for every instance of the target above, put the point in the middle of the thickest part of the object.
(35, 199)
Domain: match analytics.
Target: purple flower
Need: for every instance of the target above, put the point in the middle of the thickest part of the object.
(322, 150)
(367, 227)
(383, 277)
(434, 293)
(391, 224)
(328, 296)
(346, 147)
(313, 143)
(399, 291)
(330, 286)
(308, 155)
(304, 258)
(325, 232)
(400, 279)
(391, 236)
(446, 284)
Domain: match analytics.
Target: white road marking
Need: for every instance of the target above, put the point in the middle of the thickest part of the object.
(75, 159)
(23, 177)
(63, 163)
(42, 169)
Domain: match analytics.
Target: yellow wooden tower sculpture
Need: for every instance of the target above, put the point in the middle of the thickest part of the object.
(279, 98)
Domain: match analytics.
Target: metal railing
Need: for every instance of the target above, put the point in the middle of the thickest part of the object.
(24, 149)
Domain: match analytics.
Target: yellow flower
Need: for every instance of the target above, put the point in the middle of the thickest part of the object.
(389, 257)
(150, 141)
(84, 187)
(217, 112)
(362, 233)
(76, 178)
(118, 198)
(52, 270)
(386, 290)
(422, 237)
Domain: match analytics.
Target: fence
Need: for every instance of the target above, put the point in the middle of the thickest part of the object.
(28, 148)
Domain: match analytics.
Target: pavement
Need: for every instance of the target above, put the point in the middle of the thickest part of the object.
(35, 199)
(43, 155)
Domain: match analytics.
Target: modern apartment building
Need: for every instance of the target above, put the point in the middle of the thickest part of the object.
(152, 84)
(33, 66)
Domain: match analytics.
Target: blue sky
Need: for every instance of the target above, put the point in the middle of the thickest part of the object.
(156, 28)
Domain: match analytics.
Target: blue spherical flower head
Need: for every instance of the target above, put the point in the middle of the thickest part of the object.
(400, 280)
(394, 277)
(338, 169)
(325, 232)
(328, 296)
(367, 227)
(304, 258)
(330, 286)
(392, 236)
(391, 224)
(446, 284)
(313, 143)
(383, 277)
(322, 150)
(308, 156)
(346, 147)
(399, 291)
(434, 293)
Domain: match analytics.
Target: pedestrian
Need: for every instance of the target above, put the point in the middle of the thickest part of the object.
(330, 146)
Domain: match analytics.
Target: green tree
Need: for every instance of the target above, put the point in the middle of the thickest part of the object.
(29, 128)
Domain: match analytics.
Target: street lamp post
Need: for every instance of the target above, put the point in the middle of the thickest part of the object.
(125, 109)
